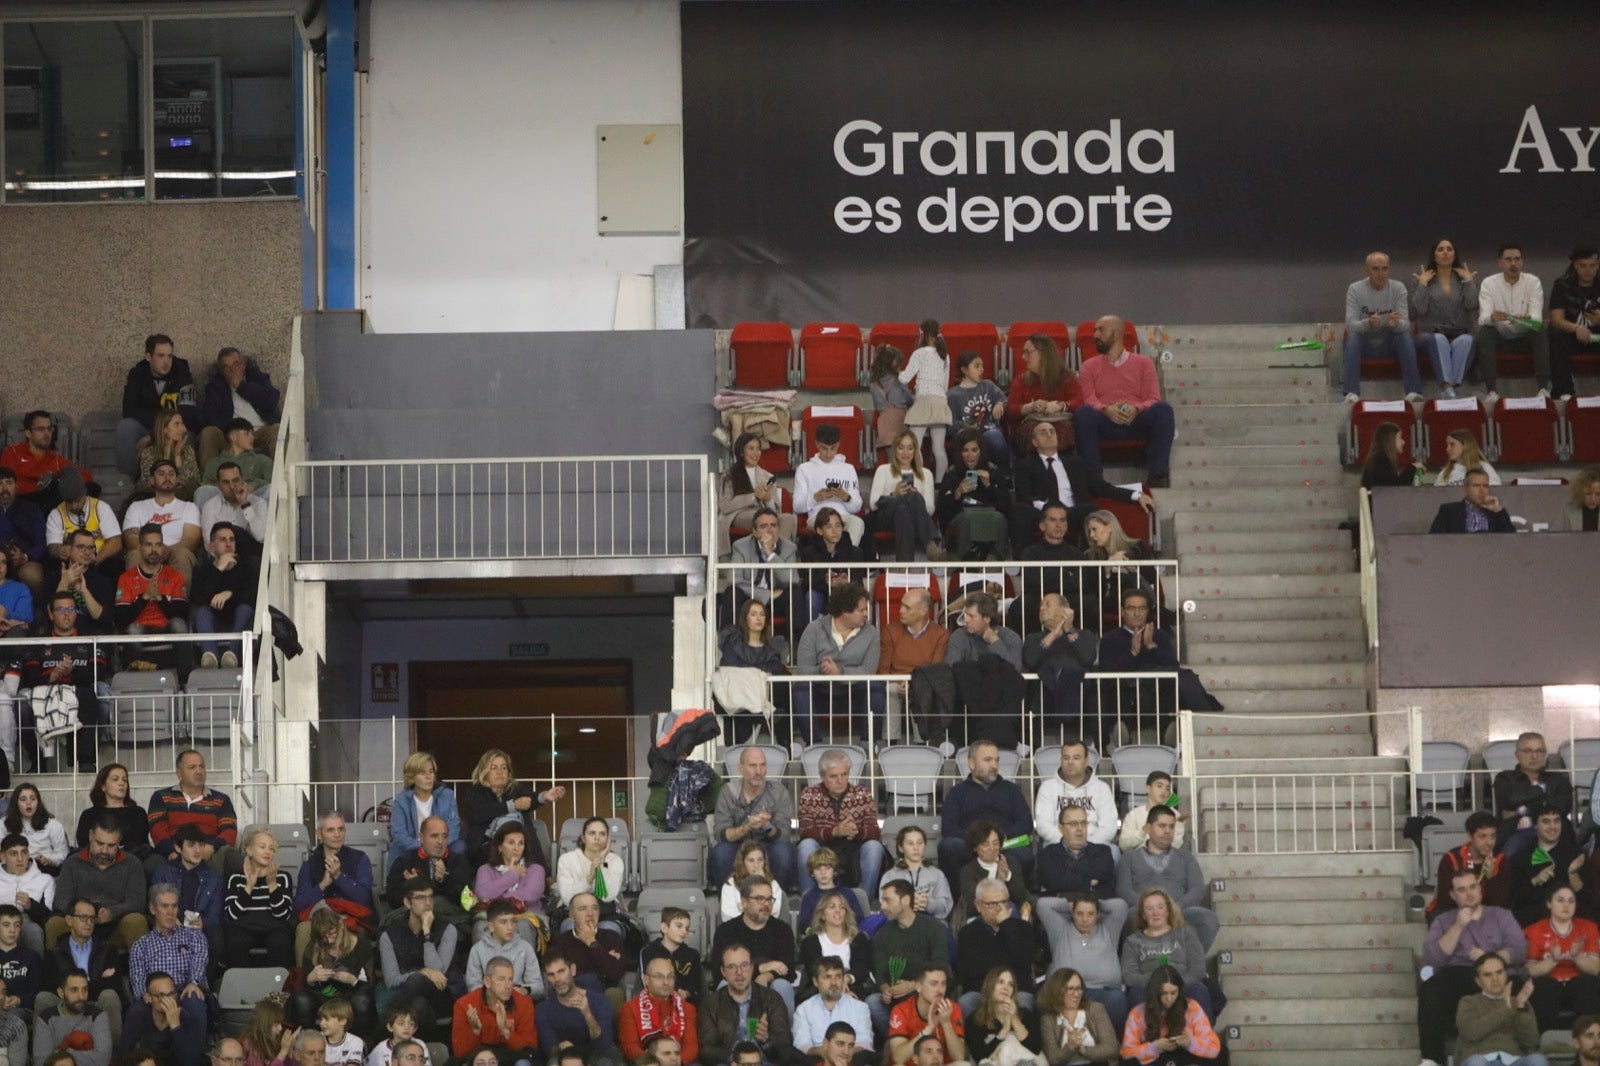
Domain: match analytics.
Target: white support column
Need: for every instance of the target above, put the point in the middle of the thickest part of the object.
(690, 682)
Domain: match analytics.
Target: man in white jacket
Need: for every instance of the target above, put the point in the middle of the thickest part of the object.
(31, 889)
(1074, 784)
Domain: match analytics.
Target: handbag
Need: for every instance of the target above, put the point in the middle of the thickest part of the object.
(1011, 1052)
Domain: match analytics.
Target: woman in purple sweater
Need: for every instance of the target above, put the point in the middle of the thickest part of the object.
(508, 875)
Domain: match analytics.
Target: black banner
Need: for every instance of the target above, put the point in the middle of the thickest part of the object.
(1199, 162)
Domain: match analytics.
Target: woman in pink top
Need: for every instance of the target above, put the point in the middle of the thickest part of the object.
(1169, 1026)
(508, 875)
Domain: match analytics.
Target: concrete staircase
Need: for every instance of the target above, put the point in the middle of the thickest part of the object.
(1315, 954)
(1316, 951)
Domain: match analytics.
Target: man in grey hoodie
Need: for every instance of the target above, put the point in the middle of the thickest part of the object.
(56, 1025)
(1160, 865)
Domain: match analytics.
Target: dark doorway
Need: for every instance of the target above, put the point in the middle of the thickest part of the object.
(568, 723)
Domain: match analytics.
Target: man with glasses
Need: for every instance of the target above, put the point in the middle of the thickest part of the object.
(658, 1011)
(418, 955)
(55, 1026)
(63, 660)
(35, 462)
(1521, 790)
(1076, 865)
(769, 940)
(81, 951)
(81, 509)
(998, 938)
(90, 587)
(741, 1010)
(173, 1029)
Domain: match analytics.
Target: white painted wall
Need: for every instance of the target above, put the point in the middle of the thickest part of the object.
(478, 211)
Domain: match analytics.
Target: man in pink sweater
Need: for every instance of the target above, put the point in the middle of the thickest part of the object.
(1122, 401)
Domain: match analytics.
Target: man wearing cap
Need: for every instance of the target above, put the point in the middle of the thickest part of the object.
(1574, 315)
(255, 466)
(79, 510)
(36, 462)
(179, 521)
(200, 888)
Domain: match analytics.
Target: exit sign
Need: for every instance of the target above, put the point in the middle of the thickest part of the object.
(529, 651)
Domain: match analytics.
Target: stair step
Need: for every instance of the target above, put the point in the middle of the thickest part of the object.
(1265, 842)
(1228, 418)
(1177, 380)
(1292, 960)
(1302, 723)
(1204, 336)
(1283, 745)
(1255, 988)
(1201, 543)
(1245, 395)
(1282, 772)
(1220, 679)
(1280, 499)
(1201, 633)
(1248, 563)
(1210, 522)
(1357, 1045)
(1274, 651)
(1245, 890)
(1322, 912)
(1293, 795)
(1325, 609)
(1399, 863)
(1328, 476)
(1204, 456)
(1406, 936)
(1280, 701)
(1230, 587)
(1315, 1011)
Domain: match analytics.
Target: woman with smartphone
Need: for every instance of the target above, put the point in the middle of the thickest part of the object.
(902, 501)
(973, 501)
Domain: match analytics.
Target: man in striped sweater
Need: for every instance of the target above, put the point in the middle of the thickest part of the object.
(190, 802)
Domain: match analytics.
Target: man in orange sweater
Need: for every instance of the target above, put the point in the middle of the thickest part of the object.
(497, 1017)
(660, 1008)
(915, 640)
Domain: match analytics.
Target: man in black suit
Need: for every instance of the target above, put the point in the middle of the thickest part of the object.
(1048, 475)
(1476, 512)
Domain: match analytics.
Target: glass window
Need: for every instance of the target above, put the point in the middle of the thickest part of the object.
(224, 107)
(72, 111)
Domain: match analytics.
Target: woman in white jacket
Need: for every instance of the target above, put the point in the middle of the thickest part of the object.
(592, 867)
(47, 837)
(902, 501)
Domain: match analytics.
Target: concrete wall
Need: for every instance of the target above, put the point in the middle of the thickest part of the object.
(84, 284)
(479, 209)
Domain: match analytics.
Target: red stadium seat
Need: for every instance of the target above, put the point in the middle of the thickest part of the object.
(1085, 345)
(1439, 417)
(1526, 430)
(854, 443)
(980, 337)
(775, 460)
(762, 355)
(1367, 416)
(831, 356)
(890, 588)
(1135, 522)
(902, 335)
(1017, 336)
(1583, 429)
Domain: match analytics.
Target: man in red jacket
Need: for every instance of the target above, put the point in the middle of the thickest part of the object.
(497, 1017)
(659, 1009)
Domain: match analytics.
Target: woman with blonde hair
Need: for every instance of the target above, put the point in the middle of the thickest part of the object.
(834, 933)
(421, 798)
(902, 500)
(169, 439)
(258, 905)
(496, 794)
(1161, 938)
(1461, 453)
(1582, 514)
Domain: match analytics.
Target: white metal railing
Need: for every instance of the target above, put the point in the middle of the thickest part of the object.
(1367, 560)
(436, 510)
